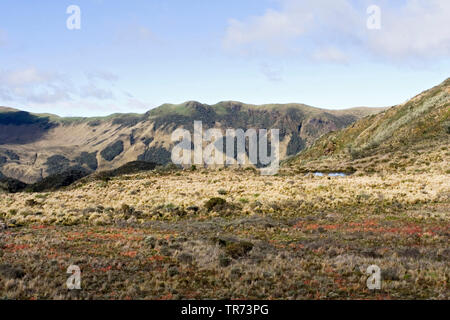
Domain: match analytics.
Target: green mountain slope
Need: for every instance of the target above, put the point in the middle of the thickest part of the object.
(412, 136)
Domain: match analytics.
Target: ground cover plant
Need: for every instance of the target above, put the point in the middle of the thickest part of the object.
(229, 234)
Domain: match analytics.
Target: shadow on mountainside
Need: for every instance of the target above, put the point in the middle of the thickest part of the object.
(68, 177)
(22, 127)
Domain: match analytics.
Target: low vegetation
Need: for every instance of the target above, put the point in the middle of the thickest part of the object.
(165, 234)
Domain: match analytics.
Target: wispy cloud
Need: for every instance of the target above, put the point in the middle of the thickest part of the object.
(55, 91)
(32, 85)
(102, 75)
(137, 35)
(271, 73)
(330, 54)
(92, 91)
(26, 76)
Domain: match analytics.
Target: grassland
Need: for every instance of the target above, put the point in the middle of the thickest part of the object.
(230, 234)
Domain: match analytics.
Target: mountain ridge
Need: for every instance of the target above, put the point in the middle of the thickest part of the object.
(150, 112)
(398, 138)
(34, 146)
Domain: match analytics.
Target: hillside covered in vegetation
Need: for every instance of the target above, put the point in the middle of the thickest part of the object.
(414, 137)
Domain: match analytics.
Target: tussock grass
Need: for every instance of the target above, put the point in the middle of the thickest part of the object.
(152, 236)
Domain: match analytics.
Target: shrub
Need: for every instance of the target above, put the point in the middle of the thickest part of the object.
(446, 126)
(31, 203)
(58, 181)
(128, 168)
(238, 249)
(11, 185)
(214, 203)
(222, 192)
(126, 209)
(355, 153)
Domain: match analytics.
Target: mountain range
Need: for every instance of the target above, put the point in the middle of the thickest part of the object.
(36, 146)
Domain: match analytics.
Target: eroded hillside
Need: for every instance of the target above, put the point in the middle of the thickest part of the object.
(33, 147)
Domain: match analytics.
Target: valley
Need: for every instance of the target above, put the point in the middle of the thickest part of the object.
(375, 193)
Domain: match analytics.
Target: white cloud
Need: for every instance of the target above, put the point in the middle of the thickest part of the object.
(284, 31)
(272, 73)
(137, 35)
(32, 85)
(54, 95)
(328, 30)
(420, 29)
(268, 32)
(92, 91)
(26, 76)
(45, 91)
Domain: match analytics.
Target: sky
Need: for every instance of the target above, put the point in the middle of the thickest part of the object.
(134, 55)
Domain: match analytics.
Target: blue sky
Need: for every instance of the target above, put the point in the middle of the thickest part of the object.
(131, 56)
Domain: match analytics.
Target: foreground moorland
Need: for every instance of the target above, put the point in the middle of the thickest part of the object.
(230, 234)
